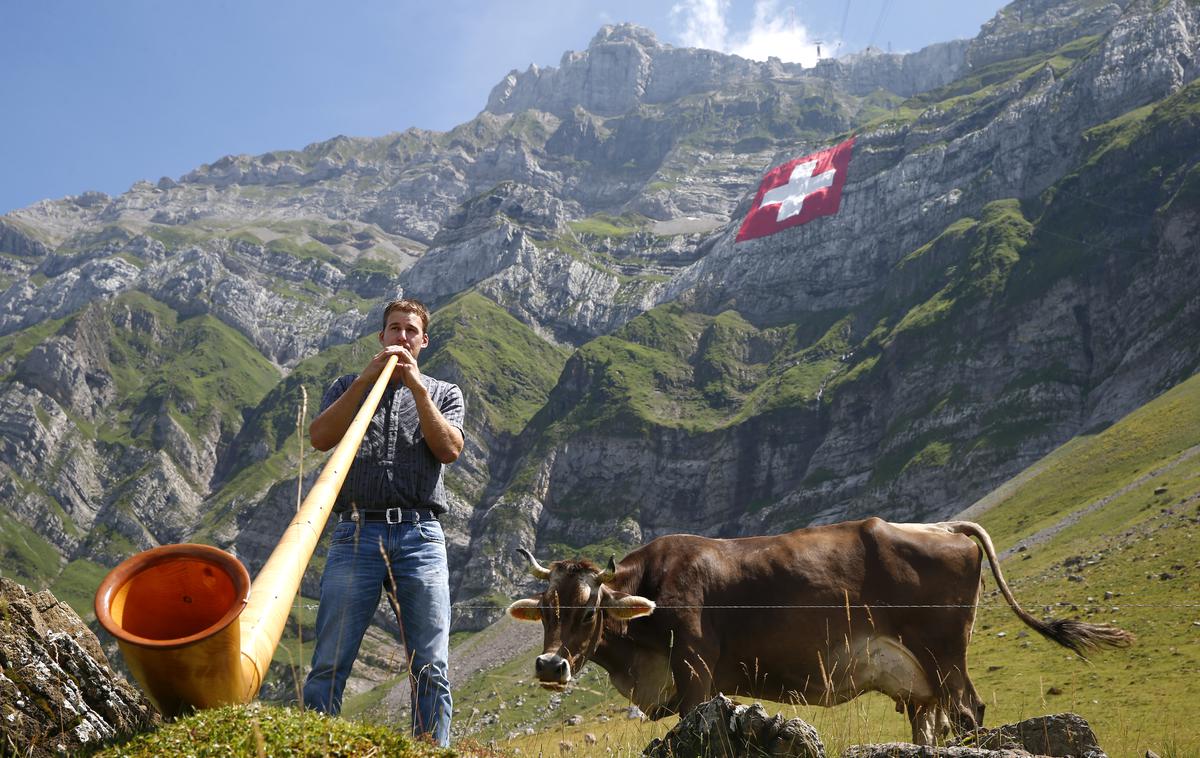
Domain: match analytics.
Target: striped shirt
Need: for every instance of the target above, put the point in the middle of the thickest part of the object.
(394, 466)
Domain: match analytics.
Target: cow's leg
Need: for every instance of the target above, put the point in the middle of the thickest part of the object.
(693, 666)
(939, 643)
(959, 703)
(965, 707)
(923, 718)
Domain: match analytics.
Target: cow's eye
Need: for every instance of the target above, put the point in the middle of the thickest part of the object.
(589, 614)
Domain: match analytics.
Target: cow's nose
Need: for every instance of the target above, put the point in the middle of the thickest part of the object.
(551, 667)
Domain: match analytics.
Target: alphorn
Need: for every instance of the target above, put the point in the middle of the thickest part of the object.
(192, 628)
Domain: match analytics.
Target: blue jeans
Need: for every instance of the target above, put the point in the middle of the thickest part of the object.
(356, 571)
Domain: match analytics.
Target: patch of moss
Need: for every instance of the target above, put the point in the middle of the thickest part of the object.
(256, 729)
(302, 250)
(15, 346)
(606, 225)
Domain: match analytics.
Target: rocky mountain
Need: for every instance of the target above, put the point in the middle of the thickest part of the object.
(1014, 263)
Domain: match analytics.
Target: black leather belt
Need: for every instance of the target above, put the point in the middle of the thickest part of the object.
(391, 516)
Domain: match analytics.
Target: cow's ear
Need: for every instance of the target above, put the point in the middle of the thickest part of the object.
(525, 610)
(631, 607)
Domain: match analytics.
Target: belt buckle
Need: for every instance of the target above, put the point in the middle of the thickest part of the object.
(397, 512)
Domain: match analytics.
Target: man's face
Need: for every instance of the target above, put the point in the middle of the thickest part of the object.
(404, 328)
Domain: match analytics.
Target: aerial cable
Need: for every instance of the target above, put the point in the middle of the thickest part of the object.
(883, 10)
(845, 17)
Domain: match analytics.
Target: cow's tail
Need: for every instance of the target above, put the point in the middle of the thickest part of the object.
(1076, 635)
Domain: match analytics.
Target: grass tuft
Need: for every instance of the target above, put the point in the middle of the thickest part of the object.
(258, 730)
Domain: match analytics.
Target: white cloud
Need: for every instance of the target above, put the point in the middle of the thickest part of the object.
(703, 23)
(774, 31)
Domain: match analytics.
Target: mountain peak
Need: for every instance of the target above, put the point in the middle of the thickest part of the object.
(626, 32)
(623, 65)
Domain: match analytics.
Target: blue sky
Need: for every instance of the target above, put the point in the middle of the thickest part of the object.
(97, 94)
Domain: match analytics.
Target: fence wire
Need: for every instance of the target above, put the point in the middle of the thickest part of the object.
(1110, 607)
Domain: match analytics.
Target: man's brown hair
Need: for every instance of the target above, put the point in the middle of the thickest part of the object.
(407, 305)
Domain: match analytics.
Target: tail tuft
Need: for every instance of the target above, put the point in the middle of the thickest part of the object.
(1084, 638)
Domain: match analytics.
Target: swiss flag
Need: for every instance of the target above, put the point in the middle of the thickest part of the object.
(797, 192)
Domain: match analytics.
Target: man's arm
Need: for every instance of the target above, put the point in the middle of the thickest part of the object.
(444, 439)
(328, 428)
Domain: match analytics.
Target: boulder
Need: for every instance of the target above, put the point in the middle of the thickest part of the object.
(1062, 735)
(58, 694)
(721, 728)
(909, 750)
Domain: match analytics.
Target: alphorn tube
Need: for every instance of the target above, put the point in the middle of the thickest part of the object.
(193, 630)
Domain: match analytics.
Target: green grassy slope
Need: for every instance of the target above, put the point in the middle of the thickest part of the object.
(27, 557)
(196, 369)
(1119, 512)
(673, 368)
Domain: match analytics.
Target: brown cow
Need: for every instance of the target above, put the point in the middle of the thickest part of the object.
(819, 615)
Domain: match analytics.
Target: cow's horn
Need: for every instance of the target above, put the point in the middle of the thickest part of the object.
(609, 573)
(538, 570)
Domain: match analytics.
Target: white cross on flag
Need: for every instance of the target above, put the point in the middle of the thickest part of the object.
(797, 192)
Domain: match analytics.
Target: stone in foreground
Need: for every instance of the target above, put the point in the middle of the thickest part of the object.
(58, 694)
(1060, 735)
(722, 729)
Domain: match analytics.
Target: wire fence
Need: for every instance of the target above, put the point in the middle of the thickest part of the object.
(865, 606)
(1112, 607)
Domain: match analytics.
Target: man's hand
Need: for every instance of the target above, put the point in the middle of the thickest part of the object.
(331, 424)
(406, 366)
(407, 370)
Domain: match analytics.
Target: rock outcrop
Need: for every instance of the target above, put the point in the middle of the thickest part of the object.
(58, 694)
(721, 728)
(1064, 735)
